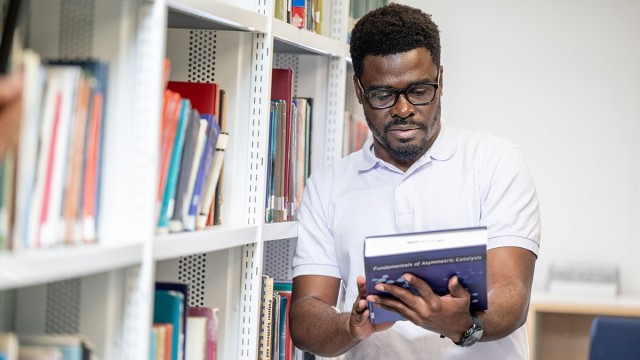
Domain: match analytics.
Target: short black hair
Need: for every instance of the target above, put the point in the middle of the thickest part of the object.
(393, 29)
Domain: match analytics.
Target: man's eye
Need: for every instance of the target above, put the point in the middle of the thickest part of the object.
(420, 91)
(382, 95)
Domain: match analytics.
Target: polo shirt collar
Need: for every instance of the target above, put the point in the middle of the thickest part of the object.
(442, 149)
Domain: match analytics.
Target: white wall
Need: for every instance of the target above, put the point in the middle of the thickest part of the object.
(560, 78)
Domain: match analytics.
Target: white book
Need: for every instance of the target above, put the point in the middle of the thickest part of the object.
(39, 353)
(44, 148)
(189, 222)
(196, 346)
(32, 95)
(212, 180)
(8, 346)
(52, 220)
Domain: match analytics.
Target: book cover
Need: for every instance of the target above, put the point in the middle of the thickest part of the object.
(97, 73)
(27, 168)
(186, 164)
(212, 179)
(73, 176)
(279, 175)
(172, 109)
(27, 352)
(164, 346)
(266, 324)
(72, 346)
(282, 89)
(168, 200)
(196, 342)
(8, 346)
(169, 308)
(215, 217)
(210, 314)
(203, 96)
(203, 172)
(183, 289)
(153, 344)
(433, 256)
(271, 161)
(188, 217)
(284, 288)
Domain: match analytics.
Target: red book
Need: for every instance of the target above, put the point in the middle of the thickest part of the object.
(282, 89)
(170, 115)
(203, 96)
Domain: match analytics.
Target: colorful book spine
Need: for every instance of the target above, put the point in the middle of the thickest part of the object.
(168, 201)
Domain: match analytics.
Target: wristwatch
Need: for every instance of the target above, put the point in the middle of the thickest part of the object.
(473, 334)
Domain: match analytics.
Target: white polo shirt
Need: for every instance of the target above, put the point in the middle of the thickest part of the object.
(465, 179)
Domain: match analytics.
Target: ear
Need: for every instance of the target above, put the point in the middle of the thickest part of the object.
(356, 88)
(441, 79)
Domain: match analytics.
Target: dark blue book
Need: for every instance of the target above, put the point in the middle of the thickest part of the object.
(162, 311)
(169, 308)
(433, 256)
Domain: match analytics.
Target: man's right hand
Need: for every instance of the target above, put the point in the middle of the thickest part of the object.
(360, 327)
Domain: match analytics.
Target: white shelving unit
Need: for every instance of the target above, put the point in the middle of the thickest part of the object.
(106, 290)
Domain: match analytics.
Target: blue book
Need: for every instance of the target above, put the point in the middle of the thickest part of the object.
(213, 130)
(168, 201)
(153, 344)
(169, 308)
(283, 328)
(433, 256)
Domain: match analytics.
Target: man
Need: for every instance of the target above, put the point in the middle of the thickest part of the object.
(415, 174)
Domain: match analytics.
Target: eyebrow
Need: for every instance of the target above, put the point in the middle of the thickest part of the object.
(387, 87)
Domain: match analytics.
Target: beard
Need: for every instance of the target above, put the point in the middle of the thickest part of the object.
(404, 150)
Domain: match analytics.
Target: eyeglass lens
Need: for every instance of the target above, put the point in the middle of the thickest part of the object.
(419, 94)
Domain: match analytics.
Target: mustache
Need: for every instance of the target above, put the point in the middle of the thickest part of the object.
(404, 122)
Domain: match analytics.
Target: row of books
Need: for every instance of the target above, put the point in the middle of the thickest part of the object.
(51, 183)
(304, 14)
(181, 331)
(354, 133)
(275, 341)
(357, 9)
(193, 142)
(289, 152)
(45, 347)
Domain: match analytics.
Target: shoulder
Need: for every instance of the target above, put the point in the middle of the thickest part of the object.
(470, 140)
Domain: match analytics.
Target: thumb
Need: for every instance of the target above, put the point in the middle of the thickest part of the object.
(456, 289)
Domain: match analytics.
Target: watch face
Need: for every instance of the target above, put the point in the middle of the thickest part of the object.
(473, 337)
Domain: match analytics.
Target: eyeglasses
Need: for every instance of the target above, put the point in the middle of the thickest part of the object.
(416, 94)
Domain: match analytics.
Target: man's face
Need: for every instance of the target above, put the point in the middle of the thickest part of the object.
(403, 132)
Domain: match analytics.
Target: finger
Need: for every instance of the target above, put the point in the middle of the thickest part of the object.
(360, 312)
(10, 86)
(362, 287)
(456, 289)
(421, 286)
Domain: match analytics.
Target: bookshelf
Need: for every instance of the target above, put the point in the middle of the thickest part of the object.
(105, 290)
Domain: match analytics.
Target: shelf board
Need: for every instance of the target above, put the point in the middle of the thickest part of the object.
(620, 306)
(214, 238)
(290, 39)
(214, 15)
(33, 267)
(279, 231)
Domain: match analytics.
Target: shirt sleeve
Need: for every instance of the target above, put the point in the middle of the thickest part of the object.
(315, 252)
(511, 210)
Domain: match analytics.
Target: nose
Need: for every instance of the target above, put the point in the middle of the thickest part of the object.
(403, 108)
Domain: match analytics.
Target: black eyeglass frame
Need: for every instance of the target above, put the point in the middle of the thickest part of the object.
(399, 92)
